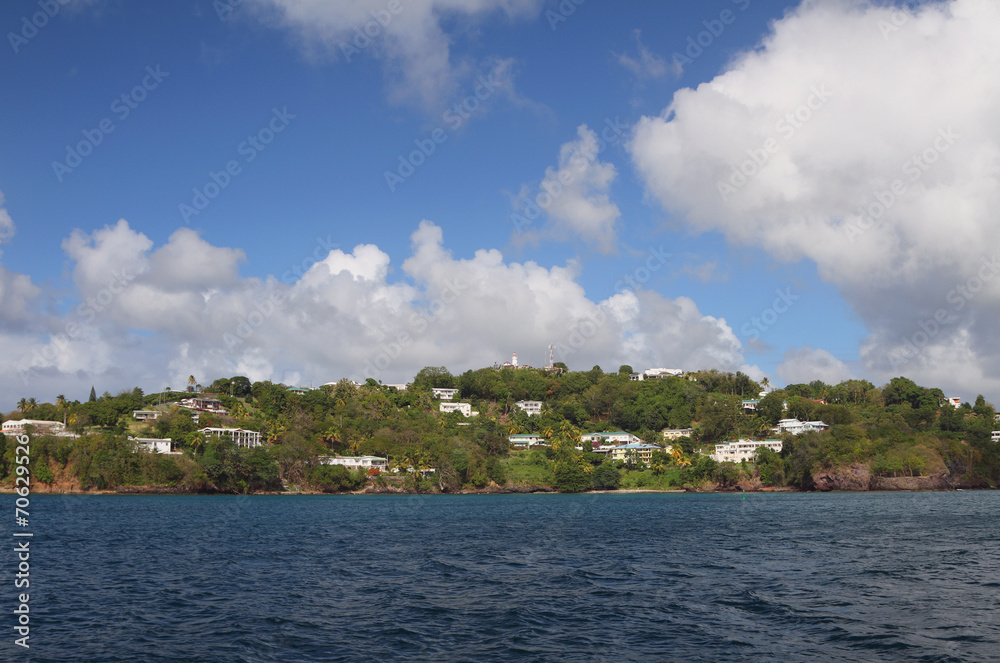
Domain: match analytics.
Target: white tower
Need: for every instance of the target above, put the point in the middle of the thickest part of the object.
(513, 362)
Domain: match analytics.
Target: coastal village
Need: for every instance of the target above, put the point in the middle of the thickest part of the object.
(212, 416)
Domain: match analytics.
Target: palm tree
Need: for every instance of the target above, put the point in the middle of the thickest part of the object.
(191, 383)
(22, 405)
(31, 404)
(60, 401)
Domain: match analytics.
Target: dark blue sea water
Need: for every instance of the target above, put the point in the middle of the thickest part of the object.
(639, 577)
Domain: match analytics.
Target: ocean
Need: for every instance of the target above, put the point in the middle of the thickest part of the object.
(594, 577)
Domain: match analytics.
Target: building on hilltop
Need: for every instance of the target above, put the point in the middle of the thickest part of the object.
(38, 426)
(465, 409)
(203, 405)
(742, 449)
(147, 415)
(356, 462)
(443, 394)
(675, 433)
(526, 440)
(796, 427)
(642, 451)
(155, 445)
(242, 437)
(610, 439)
(532, 408)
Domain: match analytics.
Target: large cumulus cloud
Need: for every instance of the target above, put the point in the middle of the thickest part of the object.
(863, 138)
(152, 316)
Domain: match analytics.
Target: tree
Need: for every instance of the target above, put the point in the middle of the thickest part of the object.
(22, 405)
(606, 477)
(570, 477)
(625, 369)
(191, 383)
(434, 377)
(93, 395)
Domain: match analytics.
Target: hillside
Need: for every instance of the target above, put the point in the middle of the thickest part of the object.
(899, 436)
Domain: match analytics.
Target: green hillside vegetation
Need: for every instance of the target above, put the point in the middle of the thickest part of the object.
(877, 436)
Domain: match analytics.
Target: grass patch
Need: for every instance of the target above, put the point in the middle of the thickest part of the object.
(524, 470)
(646, 479)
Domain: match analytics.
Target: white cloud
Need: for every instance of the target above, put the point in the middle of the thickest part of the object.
(575, 196)
(803, 365)
(843, 102)
(343, 317)
(413, 42)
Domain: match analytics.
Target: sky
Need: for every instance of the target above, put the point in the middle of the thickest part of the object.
(302, 191)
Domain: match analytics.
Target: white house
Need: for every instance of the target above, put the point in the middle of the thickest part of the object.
(656, 373)
(444, 394)
(146, 415)
(464, 408)
(739, 450)
(613, 439)
(953, 401)
(242, 437)
(203, 405)
(40, 427)
(995, 436)
(356, 462)
(526, 440)
(675, 433)
(533, 408)
(750, 405)
(155, 445)
(795, 427)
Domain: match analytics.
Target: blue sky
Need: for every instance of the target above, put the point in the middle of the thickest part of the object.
(217, 74)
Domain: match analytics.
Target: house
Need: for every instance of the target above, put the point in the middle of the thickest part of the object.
(995, 436)
(526, 440)
(203, 405)
(740, 450)
(242, 437)
(356, 462)
(613, 439)
(465, 409)
(147, 415)
(154, 445)
(954, 401)
(641, 451)
(444, 394)
(636, 377)
(750, 405)
(533, 408)
(397, 386)
(298, 390)
(675, 433)
(658, 373)
(39, 427)
(795, 427)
